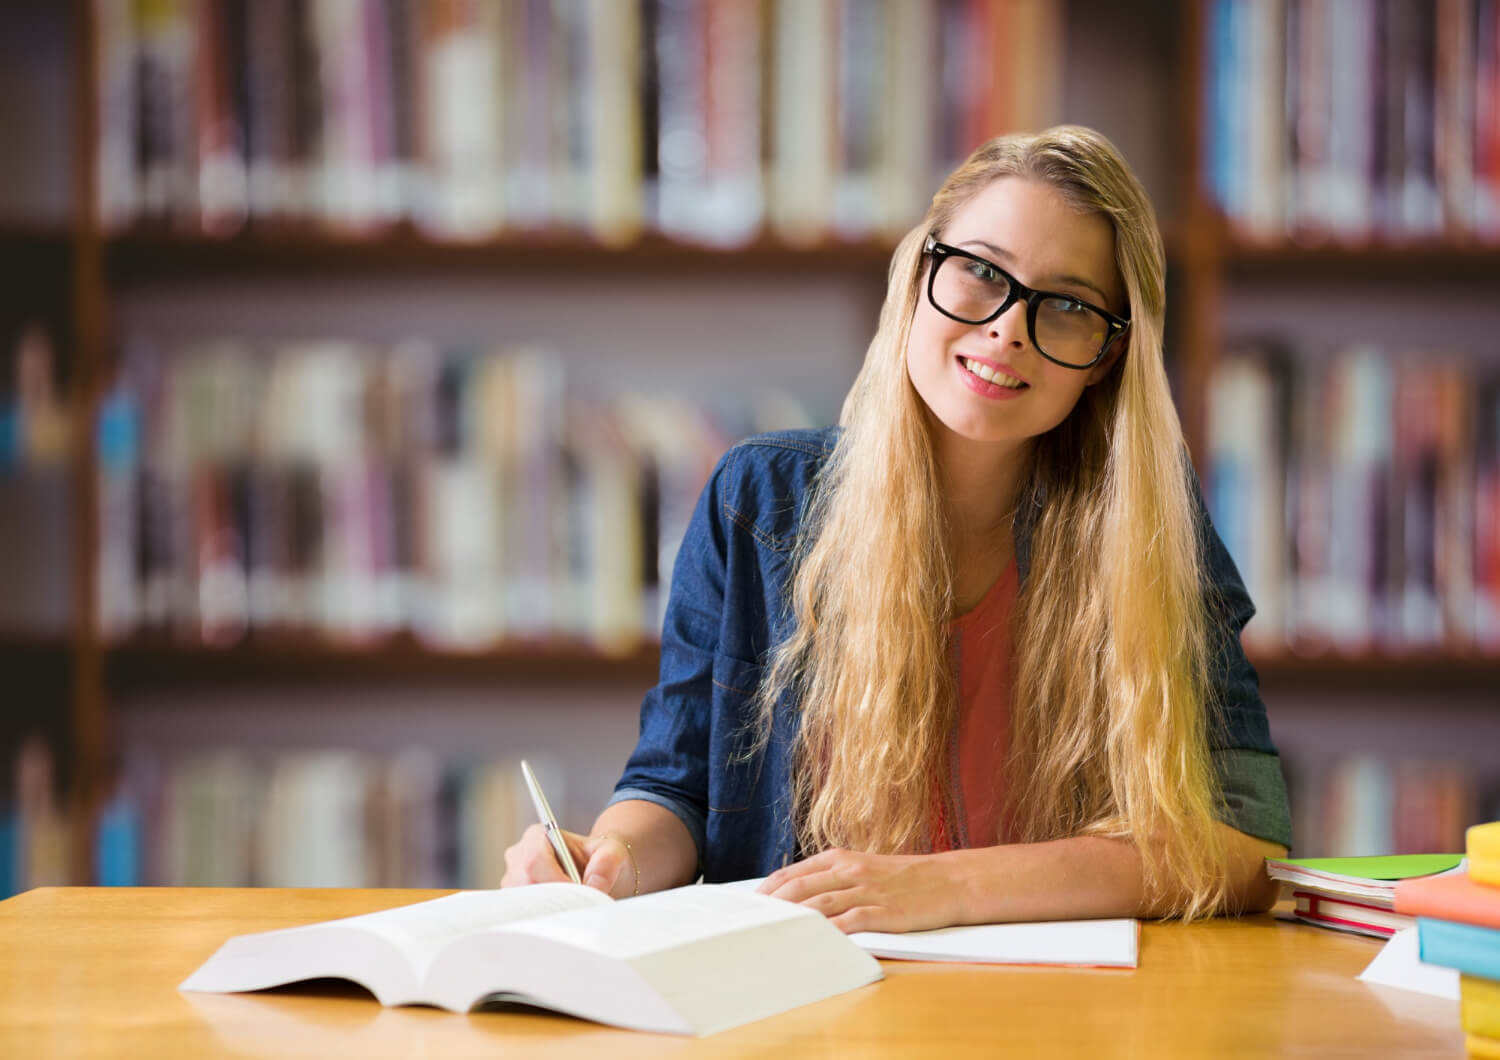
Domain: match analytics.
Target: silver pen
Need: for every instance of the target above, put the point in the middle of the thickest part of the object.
(549, 823)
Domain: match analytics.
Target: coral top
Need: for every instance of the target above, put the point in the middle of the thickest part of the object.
(980, 644)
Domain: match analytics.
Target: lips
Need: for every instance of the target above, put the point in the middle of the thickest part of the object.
(992, 372)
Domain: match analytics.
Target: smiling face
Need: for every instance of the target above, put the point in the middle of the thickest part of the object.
(987, 383)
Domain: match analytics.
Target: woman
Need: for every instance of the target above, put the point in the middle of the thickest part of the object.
(974, 656)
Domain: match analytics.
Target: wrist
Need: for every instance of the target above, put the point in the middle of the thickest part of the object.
(631, 877)
(964, 883)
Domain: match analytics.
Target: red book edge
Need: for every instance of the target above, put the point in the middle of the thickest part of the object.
(1312, 914)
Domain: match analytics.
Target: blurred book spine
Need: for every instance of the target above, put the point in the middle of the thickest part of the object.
(1354, 120)
(466, 497)
(1360, 498)
(36, 428)
(1378, 803)
(332, 817)
(709, 120)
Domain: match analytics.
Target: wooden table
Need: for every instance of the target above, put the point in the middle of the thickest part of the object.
(94, 972)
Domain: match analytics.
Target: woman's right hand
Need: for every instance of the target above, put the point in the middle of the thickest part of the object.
(603, 861)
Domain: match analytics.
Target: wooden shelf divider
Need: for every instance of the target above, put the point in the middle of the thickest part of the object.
(143, 661)
(147, 254)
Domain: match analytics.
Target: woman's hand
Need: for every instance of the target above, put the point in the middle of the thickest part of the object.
(603, 861)
(873, 892)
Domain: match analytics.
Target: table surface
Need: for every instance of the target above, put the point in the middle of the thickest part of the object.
(90, 971)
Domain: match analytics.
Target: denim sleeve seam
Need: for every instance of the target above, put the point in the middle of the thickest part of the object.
(787, 443)
(771, 541)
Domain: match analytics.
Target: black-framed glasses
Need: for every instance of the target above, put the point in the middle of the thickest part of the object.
(974, 290)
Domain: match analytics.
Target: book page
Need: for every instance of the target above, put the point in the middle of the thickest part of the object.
(660, 921)
(1085, 943)
(421, 930)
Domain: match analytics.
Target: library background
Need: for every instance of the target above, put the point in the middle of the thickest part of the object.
(362, 360)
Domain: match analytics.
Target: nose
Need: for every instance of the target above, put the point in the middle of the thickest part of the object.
(1009, 328)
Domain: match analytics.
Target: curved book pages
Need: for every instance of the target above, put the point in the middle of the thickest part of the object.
(694, 960)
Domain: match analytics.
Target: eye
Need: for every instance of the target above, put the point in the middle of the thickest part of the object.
(1069, 306)
(983, 271)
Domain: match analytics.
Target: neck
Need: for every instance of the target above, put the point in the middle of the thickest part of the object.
(981, 484)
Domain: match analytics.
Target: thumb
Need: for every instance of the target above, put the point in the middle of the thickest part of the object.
(606, 863)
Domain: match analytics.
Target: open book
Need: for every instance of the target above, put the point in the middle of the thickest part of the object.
(693, 960)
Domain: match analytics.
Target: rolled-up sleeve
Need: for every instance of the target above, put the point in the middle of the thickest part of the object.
(1252, 789)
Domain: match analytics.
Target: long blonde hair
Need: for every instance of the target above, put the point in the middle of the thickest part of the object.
(1110, 712)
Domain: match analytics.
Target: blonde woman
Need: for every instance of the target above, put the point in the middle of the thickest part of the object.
(973, 656)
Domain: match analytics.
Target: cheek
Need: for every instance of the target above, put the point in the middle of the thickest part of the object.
(926, 344)
(1063, 388)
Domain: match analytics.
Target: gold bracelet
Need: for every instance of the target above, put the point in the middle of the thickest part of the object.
(630, 853)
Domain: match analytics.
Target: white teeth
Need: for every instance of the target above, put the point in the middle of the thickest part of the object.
(989, 375)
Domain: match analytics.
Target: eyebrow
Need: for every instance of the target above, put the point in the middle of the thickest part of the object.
(1010, 259)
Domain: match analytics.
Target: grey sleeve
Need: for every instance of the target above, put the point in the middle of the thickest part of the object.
(1252, 794)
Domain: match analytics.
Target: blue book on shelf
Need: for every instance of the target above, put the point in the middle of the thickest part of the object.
(118, 845)
(1473, 950)
(10, 851)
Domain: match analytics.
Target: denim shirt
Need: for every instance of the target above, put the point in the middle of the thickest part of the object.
(727, 610)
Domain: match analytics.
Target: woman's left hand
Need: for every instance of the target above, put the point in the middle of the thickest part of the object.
(872, 892)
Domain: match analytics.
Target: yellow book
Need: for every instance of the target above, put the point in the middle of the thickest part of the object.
(1483, 1047)
(1483, 841)
(1480, 1005)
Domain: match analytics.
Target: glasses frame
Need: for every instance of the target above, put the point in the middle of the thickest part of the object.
(939, 252)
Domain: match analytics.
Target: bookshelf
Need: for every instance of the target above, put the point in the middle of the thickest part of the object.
(84, 276)
(1342, 240)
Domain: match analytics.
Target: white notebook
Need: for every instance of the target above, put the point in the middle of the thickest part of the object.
(1077, 943)
(1073, 943)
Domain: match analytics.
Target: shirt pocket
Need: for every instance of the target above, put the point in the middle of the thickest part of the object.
(732, 773)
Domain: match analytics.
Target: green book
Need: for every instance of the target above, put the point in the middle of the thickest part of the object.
(1389, 867)
(1367, 878)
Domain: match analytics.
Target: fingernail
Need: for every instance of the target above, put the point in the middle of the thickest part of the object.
(597, 882)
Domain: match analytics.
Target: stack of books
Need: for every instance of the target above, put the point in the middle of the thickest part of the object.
(1458, 926)
(1353, 894)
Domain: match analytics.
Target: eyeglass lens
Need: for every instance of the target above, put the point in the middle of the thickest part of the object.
(1064, 329)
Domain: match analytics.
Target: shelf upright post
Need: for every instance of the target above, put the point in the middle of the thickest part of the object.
(89, 720)
(1200, 281)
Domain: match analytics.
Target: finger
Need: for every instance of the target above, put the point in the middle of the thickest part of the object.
(861, 918)
(533, 860)
(816, 863)
(800, 888)
(834, 901)
(606, 866)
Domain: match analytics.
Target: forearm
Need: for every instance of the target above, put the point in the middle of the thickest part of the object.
(1088, 877)
(660, 843)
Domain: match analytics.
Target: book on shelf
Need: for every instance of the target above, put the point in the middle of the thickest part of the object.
(694, 960)
(459, 494)
(1360, 497)
(1354, 119)
(223, 817)
(704, 120)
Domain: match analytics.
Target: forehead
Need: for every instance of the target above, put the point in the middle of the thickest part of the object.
(1040, 232)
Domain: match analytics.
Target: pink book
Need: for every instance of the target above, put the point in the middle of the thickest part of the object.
(1451, 897)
